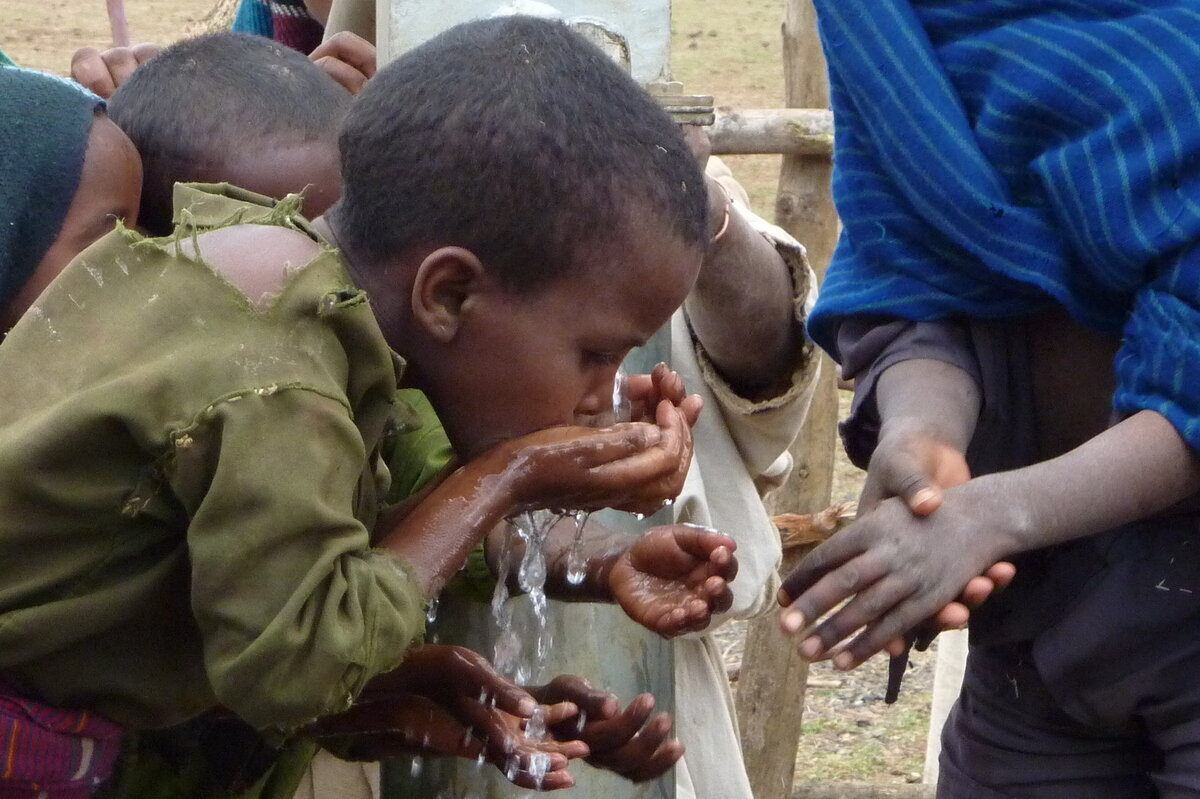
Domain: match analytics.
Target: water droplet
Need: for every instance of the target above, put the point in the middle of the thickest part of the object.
(431, 611)
(622, 411)
(577, 559)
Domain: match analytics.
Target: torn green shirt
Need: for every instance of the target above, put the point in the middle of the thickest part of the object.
(187, 486)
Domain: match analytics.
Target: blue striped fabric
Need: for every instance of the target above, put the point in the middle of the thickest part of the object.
(254, 16)
(994, 156)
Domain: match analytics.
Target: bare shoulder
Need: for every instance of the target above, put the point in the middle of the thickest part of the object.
(255, 258)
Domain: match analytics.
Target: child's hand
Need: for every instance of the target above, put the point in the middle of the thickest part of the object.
(415, 724)
(674, 578)
(103, 72)
(450, 700)
(914, 464)
(645, 392)
(633, 467)
(347, 58)
(627, 742)
(898, 568)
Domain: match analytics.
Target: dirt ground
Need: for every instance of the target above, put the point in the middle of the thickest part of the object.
(729, 50)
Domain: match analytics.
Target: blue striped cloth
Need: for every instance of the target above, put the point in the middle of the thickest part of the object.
(994, 156)
(254, 16)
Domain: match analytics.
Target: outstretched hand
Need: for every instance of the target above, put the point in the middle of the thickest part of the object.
(897, 569)
(631, 742)
(674, 578)
(913, 464)
(448, 700)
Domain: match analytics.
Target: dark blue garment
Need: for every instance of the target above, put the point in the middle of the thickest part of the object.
(995, 156)
(44, 129)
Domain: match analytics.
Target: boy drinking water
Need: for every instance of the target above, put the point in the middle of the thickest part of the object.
(212, 536)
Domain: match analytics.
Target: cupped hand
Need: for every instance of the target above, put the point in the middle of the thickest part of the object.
(634, 467)
(103, 72)
(896, 569)
(645, 392)
(633, 742)
(450, 700)
(674, 578)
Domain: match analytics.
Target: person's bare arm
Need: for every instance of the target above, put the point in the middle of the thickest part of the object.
(742, 307)
(900, 568)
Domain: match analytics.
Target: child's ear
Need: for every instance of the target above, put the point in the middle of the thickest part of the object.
(445, 280)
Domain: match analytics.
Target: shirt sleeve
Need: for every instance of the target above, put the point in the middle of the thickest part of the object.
(1158, 365)
(295, 610)
(764, 428)
(868, 345)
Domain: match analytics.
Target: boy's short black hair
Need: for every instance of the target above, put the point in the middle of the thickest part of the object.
(515, 138)
(202, 99)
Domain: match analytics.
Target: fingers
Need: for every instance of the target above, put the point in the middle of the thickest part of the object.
(89, 70)
(825, 558)
(1001, 574)
(691, 407)
(104, 72)
(869, 603)
(901, 618)
(350, 48)
(594, 702)
(634, 745)
(345, 75)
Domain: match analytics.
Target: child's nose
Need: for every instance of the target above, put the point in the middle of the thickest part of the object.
(593, 404)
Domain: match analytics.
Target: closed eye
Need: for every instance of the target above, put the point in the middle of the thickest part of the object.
(602, 358)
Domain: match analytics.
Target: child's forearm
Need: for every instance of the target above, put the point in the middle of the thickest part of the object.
(935, 396)
(1133, 470)
(435, 537)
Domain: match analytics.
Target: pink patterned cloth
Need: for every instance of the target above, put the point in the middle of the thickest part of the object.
(49, 753)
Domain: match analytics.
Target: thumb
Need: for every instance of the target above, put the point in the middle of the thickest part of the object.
(900, 476)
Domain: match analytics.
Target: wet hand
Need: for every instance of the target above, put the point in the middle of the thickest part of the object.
(451, 700)
(645, 392)
(634, 467)
(347, 58)
(633, 742)
(896, 569)
(674, 578)
(103, 72)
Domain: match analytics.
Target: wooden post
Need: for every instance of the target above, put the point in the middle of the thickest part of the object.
(770, 696)
(790, 131)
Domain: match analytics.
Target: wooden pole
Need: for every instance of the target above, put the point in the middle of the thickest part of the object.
(790, 131)
(770, 696)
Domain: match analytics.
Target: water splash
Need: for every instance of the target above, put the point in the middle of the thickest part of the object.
(577, 558)
(622, 410)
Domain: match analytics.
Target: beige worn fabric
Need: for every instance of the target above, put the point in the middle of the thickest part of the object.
(741, 455)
